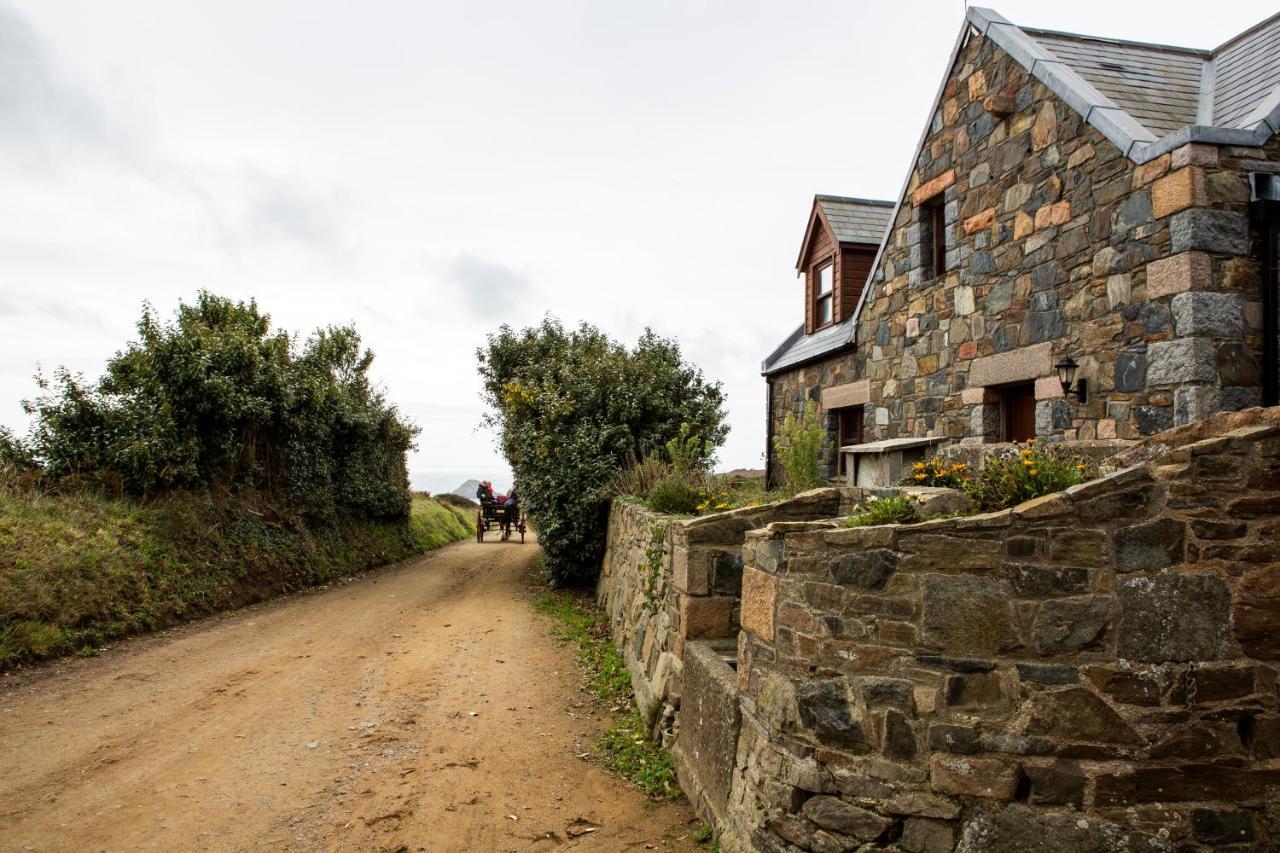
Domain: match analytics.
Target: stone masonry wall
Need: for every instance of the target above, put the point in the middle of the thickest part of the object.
(1090, 671)
(667, 581)
(1057, 245)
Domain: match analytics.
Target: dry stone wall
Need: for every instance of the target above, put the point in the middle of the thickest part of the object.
(1093, 670)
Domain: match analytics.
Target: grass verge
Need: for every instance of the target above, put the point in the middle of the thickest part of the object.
(624, 748)
(78, 569)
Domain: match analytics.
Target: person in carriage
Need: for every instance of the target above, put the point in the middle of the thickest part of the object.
(502, 511)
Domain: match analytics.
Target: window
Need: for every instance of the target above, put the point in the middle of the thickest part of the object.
(933, 223)
(1018, 411)
(826, 294)
(850, 432)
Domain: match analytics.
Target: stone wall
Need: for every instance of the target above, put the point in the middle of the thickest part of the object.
(1057, 245)
(668, 581)
(1093, 670)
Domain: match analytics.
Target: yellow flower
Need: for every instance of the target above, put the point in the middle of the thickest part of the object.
(1032, 472)
(922, 476)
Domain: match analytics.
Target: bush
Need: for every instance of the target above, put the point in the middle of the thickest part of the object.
(1034, 470)
(218, 400)
(675, 496)
(798, 445)
(896, 509)
(572, 408)
(935, 472)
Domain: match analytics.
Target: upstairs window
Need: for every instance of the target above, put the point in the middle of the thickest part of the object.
(826, 294)
(933, 217)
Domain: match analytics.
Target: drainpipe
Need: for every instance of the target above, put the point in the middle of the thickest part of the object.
(768, 433)
(1264, 210)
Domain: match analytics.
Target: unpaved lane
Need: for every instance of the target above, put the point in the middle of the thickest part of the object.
(421, 707)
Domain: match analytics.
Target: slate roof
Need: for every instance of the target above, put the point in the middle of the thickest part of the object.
(1151, 98)
(856, 220)
(1158, 86)
(800, 348)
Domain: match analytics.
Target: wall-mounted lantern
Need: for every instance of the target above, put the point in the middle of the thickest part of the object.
(1067, 377)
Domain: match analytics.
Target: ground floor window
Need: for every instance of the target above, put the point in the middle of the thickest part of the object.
(850, 431)
(1018, 411)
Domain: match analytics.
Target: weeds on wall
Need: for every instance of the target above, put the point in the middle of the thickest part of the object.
(624, 748)
(896, 509)
(651, 571)
(798, 447)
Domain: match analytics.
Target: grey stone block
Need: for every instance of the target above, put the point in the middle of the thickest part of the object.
(1195, 403)
(1174, 617)
(1223, 231)
(1217, 314)
(1052, 415)
(1182, 360)
(1131, 372)
(1069, 625)
(1135, 210)
(1153, 419)
(1155, 545)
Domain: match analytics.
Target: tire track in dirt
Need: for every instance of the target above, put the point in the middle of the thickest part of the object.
(419, 707)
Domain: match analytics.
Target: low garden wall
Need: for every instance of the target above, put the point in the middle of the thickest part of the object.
(667, 581)
(1092, 670)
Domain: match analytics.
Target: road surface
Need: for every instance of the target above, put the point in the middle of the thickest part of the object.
(419, 707)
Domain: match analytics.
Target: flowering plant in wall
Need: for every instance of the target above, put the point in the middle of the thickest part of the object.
(935, 472)
(1032, 470)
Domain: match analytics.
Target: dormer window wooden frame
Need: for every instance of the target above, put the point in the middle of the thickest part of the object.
(824, 285)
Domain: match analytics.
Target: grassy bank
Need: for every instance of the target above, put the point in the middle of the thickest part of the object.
(77, 570)
(624, 748)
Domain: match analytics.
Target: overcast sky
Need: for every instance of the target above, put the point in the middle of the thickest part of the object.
(431, 170)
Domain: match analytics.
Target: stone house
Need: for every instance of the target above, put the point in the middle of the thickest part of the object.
(1073, 200)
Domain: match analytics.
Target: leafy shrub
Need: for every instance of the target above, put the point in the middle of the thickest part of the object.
(217, 400)
(798, 445)
(572, 408)
(896, 509)
(1033, 470)
(676, 496)
(690, 454)
(16, 455)
(935, 472)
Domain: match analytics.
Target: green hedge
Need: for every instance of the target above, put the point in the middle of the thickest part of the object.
(79, 569)
(573, 408)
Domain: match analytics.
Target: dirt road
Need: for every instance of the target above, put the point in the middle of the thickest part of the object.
(420, 707)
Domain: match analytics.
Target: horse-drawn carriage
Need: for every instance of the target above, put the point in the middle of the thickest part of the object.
(501, 512)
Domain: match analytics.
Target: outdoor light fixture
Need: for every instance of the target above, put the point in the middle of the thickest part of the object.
(1067, 375)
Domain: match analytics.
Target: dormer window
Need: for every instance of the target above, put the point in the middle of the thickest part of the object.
(826, 294)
